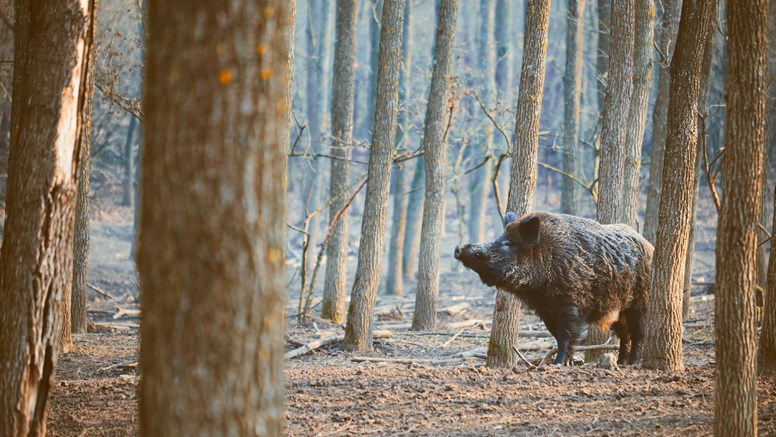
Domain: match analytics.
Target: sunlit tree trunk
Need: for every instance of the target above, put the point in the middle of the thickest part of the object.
(663, 343)
(665, 46)
(358, 331)
(333, 306)
(736, 394)
(569, 198)
(50, 95)
(506, 314)
(435, 152)
(214, 167)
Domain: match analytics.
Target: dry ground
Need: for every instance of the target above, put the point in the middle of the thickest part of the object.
(436, 394)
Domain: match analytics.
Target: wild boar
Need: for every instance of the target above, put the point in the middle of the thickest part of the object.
(572, 272)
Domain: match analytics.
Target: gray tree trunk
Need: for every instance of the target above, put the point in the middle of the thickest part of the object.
(374, 14)
(637, 116)
(506, 314)
(604, 47)
(663, 343)
(333, 305)
(414, 213)
(358, 331)
(665, 44)
(212, 308)
(129, 171)
(435, 148)
(504, 49)
(569, 198)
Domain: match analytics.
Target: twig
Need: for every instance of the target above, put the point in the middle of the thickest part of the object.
(573, 178)
(409, 360)
(492, 120)
(522, 357)
(125, 312)
(122, 102)
(452, 339)
(101, 291)
(307, 347)
(130, 364)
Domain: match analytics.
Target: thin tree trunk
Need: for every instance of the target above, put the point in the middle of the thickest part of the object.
(435, 148)
(214, 166)
(414, 213)
(736, 391)
(604, 47)
(666, 40)
(394, 283)
(374, 12)
(569, 198)
(663, 345)
(358, 331)
(333, 306)
(129, 177)
(637, 116)
(50, 95)
(506, 314)
(504, 49)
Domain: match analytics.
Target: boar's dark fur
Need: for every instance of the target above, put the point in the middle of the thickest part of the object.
(572, 272)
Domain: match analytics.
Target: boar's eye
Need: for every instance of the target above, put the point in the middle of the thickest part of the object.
(480, 255)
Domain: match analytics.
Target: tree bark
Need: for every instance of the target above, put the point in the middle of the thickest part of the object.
(374, 14)
(569, 198)
(637, 116)
(736, 394)
(506, 314)
(213, 167)
(394, 283)
(663, 344)
(358, 331)
(129, 177)
(604, 47)
(666, 40)
(435, 152)
(50, 95)
(343, 88)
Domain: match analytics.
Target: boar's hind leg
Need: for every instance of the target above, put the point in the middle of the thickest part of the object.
(571, 330)
(623, 332)
(635, 326)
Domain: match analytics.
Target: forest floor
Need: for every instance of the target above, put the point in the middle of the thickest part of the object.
(417, 383)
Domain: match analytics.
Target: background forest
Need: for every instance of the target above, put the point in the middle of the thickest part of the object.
(479, 128)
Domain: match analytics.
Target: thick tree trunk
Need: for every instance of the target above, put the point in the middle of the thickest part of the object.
(506, 314)
(414, 213)
(663, 345)
(435, 148)
(569, 198)
(333, 306)
(358, 331)
(619, 86)
(394, 283)
(50, 95)
(736, 394)
(666, 39)
(214, 166)
(637, 116)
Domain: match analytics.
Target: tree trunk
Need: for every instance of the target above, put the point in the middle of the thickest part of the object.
(435, 151)
(666, 39)
(374, 12)
(604, 47)
(703, 98)
(129, 177)
(213, 166)
(358, 331)
(394, 283)
(663, 345)
(506, 314)
(619, 85)
(569, 198)
(6, 89)
(637, 115)
(81, 226)
(333, 306)
(766, 357)
(50, 95)
(504, 49)
(414, 213)
(736, 393)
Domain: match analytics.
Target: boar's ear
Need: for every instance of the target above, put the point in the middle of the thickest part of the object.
(509, 218)
(529, 231)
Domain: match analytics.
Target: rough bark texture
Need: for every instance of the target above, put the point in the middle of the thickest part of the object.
(77, 321)
(358, 331)
(129, 171)
(766, 357)
(506, 315)
(637, 116)
(394, 283)
(736, 394)
(569, 198)
(703, 98)
(663, 346)
(665, 45)
(342, 89)
(435, 148)
(6, 82)
(50, 89)
(619, 84)
(213, 167)
(486, 66)
(414, 213)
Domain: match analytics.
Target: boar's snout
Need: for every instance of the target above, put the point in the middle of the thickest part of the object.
(469, 251)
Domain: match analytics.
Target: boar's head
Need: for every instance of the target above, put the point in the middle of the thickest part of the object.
(512, 261)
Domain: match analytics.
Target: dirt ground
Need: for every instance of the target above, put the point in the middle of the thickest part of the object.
(420, 383)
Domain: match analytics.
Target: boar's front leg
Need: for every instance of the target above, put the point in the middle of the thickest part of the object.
(571, 329)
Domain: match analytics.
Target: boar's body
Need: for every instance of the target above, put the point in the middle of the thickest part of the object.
(572, 272)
